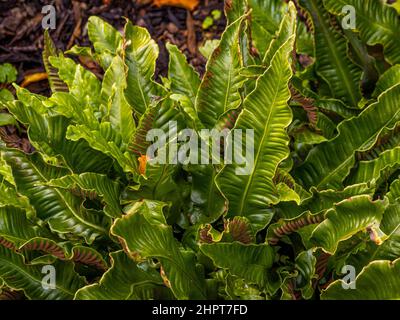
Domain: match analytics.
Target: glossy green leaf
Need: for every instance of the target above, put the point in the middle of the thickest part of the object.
(106, 40)
(9, 196)
(125, 280)
(323, 200)
(366, 171)
(266, 17)
(7, 119)
(77, 77)
(145, 234)
(105, 140)
(250, 262)
(15, 226)
(330, 162)
(17, 275)
(286, 30)
(267, 113)
(382, 247)
(140, 56)
(93, 185)
(234, 10)
(207, 201)
(48, 134)
(346, 219)
(384, 30)
(119, 112)
(333, 65)
(390, 78)
(367, 286)
(219, 89)
(64, 211)
(394, 191)
(5, 97)
(184, 79)
(305, 264)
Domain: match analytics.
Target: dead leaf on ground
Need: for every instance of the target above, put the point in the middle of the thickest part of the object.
(187, 4)
(32, 78)
(143, 159)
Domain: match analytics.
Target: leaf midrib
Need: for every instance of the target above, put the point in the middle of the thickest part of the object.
(14, 266)
(379, 23)
(66, 203)
(261, 144)
(177, 255)
(188, 79)
(331, 172)
(336, 59)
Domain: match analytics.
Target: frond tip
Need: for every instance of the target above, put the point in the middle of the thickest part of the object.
(50, 50)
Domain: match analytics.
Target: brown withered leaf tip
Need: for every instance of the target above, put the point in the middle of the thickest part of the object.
(187, 4)
(164, 277)
(204, 236)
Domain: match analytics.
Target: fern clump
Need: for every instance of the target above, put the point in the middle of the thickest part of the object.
(320, 195)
